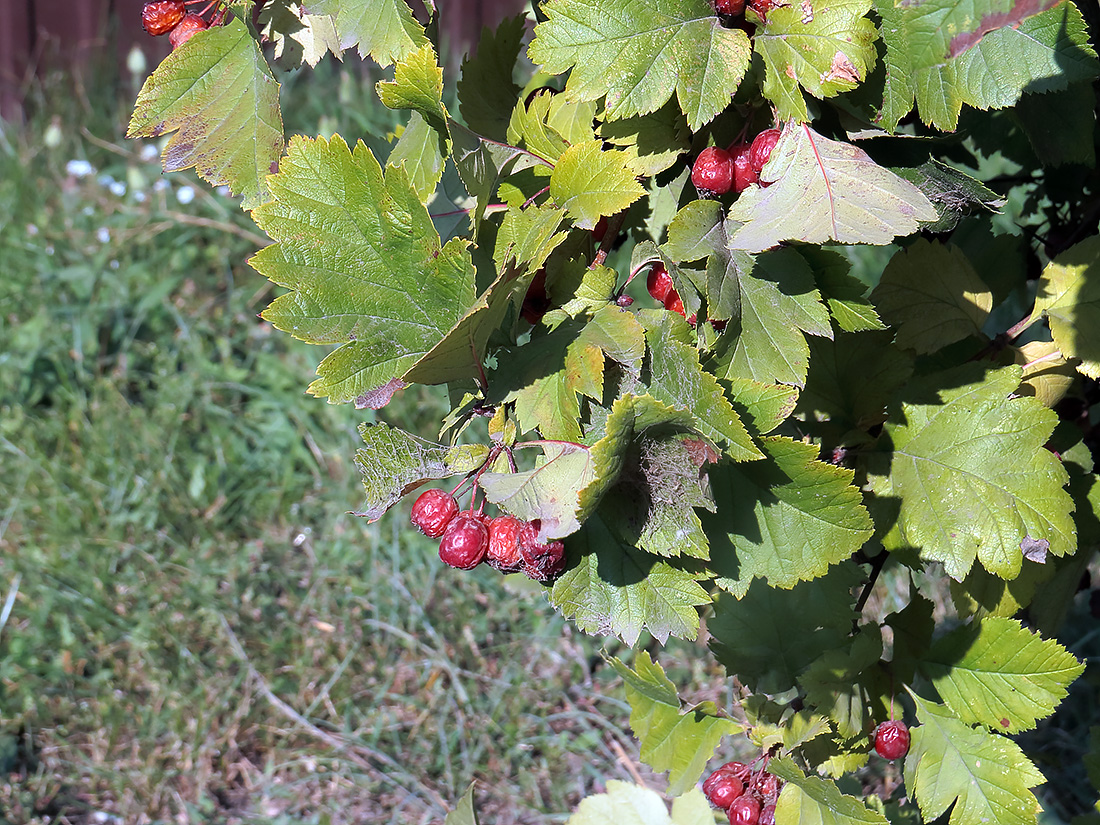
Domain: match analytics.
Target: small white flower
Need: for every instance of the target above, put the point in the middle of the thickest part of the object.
(105, 180)
(223, 191)
(103, 234)
(160, 185)
(118, 188)
(185, 194)
(139, 196)
(79, 168)
(149, 152)
(32, 230)
(113, 264)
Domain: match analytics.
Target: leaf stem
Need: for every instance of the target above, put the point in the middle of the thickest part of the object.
(877, 563)
(610, 235)
(531, 199)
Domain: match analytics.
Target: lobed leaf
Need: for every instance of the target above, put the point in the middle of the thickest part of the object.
(383, 29)
(220, 95)
(810, 800)
(486, 92)
(1069, 296)
(626, 804)
(589, 181)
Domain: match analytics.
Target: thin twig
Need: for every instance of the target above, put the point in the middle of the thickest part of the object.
(627, 762)
(877, 563)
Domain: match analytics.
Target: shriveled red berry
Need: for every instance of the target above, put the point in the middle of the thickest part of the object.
(712, 173)
(767, 786)
(161, 16)
(892, 740)
(745, 810)
(658, 282)
(674, 303)
(762, 7)
(432, 512)
(761, 149)
(729, 8)
(767, 815)
(464, 542)
(744, 175)
(190, 25)
(503, 552)
(543, 561)
(722, 787)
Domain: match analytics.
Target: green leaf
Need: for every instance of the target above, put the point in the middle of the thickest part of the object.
(534, 126)
(770, 636)
(590, 181)
(824, 190)
(547, 493)
(637, 52)
(614, 588)
(826, 50)
(652, 142)
(810, 800)
(985, 776)
(463, 814)
(528, 236)
(677, 378)
(767, 405)
(787, 519)
(298, 37)
(421, 153)
(680, 742)
(838, 685)
(778, 304)
(418, 85)
(998, 674)
(931, 294)
(486, 92)
(393, 463)
(626, 804)
(844, 294)
(954, 194)
(1069, 296)
(1042, 53)
(219, 93)
(1059, 125)
(972, 475)
(383, 29)
(483, 164)
(364, 264)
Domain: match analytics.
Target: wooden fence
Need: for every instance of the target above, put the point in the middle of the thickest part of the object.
(38, 35)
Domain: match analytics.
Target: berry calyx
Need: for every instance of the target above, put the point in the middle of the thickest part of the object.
(761, 149)
(161, 16)
(659, 283)
(712, 173)
(432, 512)
(745, 810)
(187, 28)
(722, 787)
(465, 541)
(503, 553)
(744, 175)
(892, 740)
(543, 561)
(729, 8)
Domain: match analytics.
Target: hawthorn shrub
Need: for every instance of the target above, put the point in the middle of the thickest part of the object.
(784, 419)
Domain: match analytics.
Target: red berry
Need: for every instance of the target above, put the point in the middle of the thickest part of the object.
(767, 786)
(761, 149)
(745, 810)
(767, 816)
(722, 787)
(465, 541)
(673, 303)
(432, 512)
(729, 8)
(543, 561)
(161, 16)
(186, 29)
(892, 740)
(536, 302)
(712, 173)
(762, 7)
(503, 552)
(659, 282)
(744, 175)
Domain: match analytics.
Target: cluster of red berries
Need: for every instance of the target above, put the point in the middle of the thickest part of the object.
(737, 167)
(892, 740)
(172, 18)
(731, 9)
(748, 796)
(469, 537)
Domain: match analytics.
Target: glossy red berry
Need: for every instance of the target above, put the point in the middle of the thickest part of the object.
(761, 149)
(722, 787)
(464, 542)
(767, 815)
(659, 283)
(674, 303)
(432, 512)
(503, 552)
(161, 16)
(190, 25)
(745, 810)
(729, 8)
(543, 561)
(712, 173)
(892, 740)
(744, 175)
